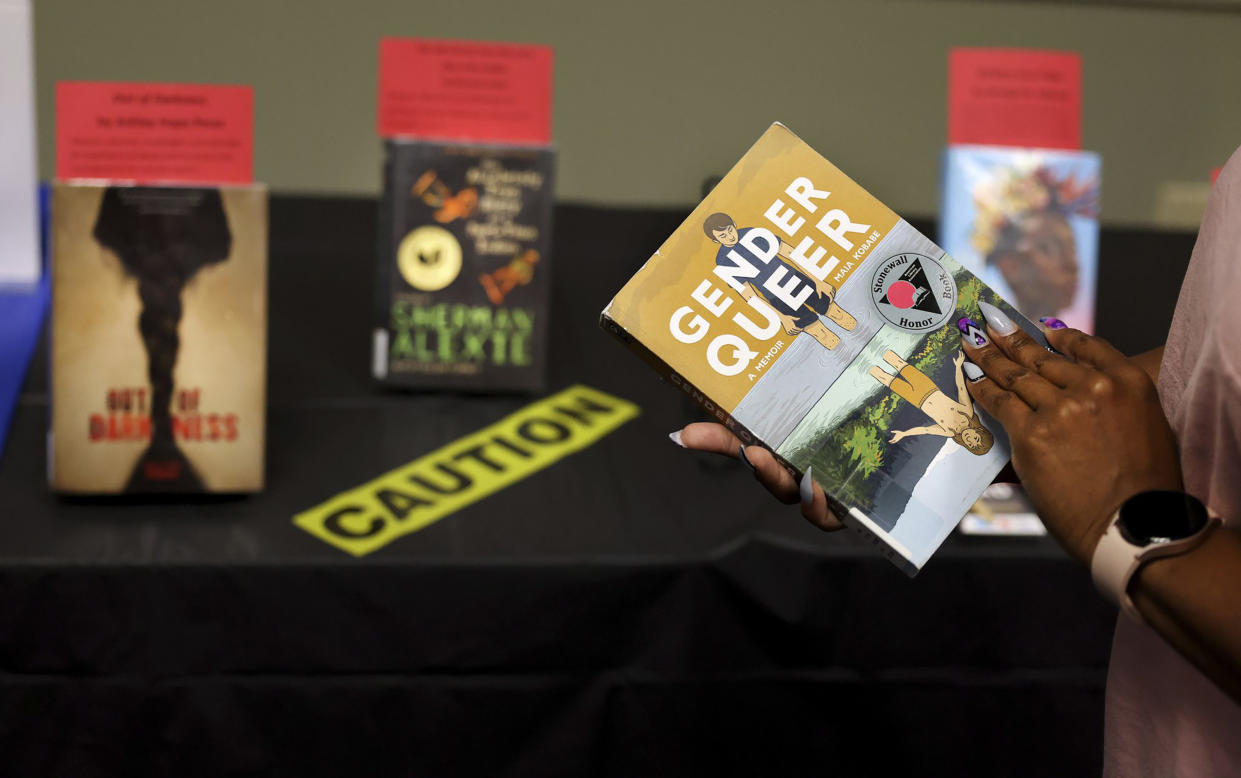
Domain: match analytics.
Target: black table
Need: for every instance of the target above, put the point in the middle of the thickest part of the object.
(631, 610)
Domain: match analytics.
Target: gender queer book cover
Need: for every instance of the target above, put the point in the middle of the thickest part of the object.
(1026, 221)
(464, 267)
(812, 320)
(158, 338)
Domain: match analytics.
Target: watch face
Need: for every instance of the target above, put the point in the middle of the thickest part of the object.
(1161, 517)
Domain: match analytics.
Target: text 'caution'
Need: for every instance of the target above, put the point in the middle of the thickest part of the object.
(431, 487)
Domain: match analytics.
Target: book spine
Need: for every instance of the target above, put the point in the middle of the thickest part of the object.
(389, 202)
(671, 376)
(860, 526)
(546, 206)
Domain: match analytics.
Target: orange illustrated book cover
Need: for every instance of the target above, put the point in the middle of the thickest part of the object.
(812, 320)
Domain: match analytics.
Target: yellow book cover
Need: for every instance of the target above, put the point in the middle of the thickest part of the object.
(158, 338)
(814, 321)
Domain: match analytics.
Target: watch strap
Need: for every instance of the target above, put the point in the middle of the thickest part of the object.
(1115, 561)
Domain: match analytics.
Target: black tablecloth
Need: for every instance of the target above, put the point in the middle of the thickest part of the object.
(631, 610)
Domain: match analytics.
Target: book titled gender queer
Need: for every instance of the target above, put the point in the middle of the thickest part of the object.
(812, 320)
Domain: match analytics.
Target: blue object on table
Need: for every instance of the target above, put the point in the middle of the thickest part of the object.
(22, 309)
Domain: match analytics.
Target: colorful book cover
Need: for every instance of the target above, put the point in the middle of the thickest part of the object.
(462, 292)
(812, 320)
(158, 338)
(1003, 509)
(1026, 221)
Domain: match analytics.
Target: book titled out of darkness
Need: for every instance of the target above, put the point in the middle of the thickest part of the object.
(812, 320)
(158, 338)
(464, 266)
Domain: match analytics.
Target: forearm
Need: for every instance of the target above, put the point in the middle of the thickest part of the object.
(1194, 602)
(963, 395)
(1148, 362)
(926, 431)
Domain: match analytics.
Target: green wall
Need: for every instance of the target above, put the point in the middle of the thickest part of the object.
(650, 97)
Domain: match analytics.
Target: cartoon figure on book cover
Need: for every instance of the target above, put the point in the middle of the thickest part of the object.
(721, 229)
(436, 194)
(519, 272)
(954, 419)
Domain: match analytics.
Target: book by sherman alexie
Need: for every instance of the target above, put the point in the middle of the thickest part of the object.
(464, 267)
(158, 338)
(814, 321)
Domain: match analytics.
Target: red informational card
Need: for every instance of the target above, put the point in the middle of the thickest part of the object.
(463, 90)
(1015, 97)
(155, 133)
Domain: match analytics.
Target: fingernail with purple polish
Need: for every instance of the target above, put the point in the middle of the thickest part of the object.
(971, 332)
(675, 437)
(972, 372)
(1053, 323)
(806, 489)
(998, 320)
(746, 460)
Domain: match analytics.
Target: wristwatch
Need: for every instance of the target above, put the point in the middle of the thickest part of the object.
(1149, 525)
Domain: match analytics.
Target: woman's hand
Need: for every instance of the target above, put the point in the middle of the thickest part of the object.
(1087, 429)
(897, 435)
(707, 436)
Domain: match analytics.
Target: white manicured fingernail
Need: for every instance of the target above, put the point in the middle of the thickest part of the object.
(998, 320)
(675, 437)
(807, 489)
(746, 460)
(972, 372)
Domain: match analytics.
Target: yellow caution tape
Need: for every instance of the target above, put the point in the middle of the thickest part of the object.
(465, 471)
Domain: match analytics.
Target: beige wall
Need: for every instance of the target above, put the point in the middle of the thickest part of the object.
(652, 95)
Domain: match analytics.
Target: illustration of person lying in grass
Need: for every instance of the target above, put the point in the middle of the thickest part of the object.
(954, 419)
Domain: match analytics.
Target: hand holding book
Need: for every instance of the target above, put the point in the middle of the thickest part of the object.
(716, 439)
(820, 330)
(1086, 426)
(1066, 416)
